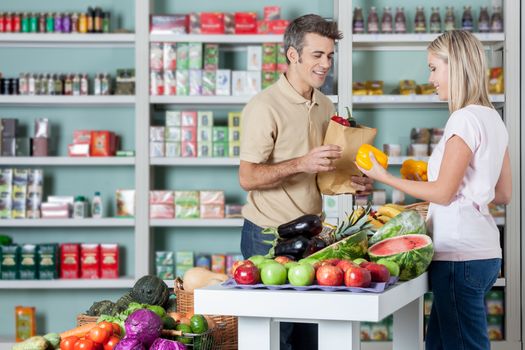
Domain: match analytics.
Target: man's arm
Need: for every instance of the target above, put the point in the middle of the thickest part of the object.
(254, 176)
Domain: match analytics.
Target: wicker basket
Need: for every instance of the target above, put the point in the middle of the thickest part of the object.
(420, 207)
(82, 319)
(185, 305)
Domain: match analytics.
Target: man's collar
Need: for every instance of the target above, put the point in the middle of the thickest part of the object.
(292, 95)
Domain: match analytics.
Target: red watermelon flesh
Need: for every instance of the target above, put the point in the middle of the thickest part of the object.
(399, 245)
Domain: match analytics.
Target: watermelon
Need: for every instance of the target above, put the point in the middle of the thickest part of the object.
(351, 247)
(413, 253)
(406, 223)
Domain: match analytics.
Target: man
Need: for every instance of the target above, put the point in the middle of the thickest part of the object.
(283, 129)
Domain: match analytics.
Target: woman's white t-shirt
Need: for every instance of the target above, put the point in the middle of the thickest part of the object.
(464, 229)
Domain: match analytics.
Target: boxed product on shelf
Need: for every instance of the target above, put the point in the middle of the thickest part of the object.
(407, 87)
(204, 148)
(209, 82)
(125, 82)
(172, 149)
(189, 149)
(183, 82)
(233, 211)
(109, 260)
(189, 134)
(156, 83)
(103, 143)
(212, 204)
(183, 262)
(10, 262)
(392, 150)
(218, 263)
(69, 260)
(234, 119)
(55, 210)
(6, 193)
(170, 83)
(239, 79)
(494, 302)
(195, 79)
(245, 22)
(234, 134)
(278, 26)
(195, 55)
(495, 327)
(20, 179)
(253, 83)
(89, 260)
(220, 134)
(28, 262)
(172, 134)
(189, 118)
(234, 149)
(157, 133)
(211, 57)
(157, 149)
(48, 261)
(269, 57)
(165, 264)
(169, 24)
(194, 23)
(162, 205)
(203, 260)
(183, 56)
(169, 56)
(173, 118)
(254, 58)
(269, 78)
(212, 22)
(187, 205)
(204, 119)
(125, 200)
(496, 85)
(155, 57)
(223, 82)
(220, 149)
(271, 13)
(230, 260)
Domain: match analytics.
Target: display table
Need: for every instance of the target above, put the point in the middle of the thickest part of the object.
(337, 313)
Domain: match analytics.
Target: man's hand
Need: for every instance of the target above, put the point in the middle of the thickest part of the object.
(362, 184)
(319, 159)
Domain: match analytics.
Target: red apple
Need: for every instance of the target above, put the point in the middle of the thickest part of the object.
(247, 274)
(378, 272)
(345, 264)
(357, 276)
(282, 259)
(238, 263)
(329, 275)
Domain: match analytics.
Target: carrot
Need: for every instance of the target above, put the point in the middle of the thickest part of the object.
(79, 331)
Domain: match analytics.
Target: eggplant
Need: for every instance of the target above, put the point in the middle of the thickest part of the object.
(314, 245)
(308, 225)
(293, 246)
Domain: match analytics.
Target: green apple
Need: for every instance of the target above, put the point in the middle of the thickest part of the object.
(273, 274)
(289, 264)
(267, 262)
(301, 275)
(359, 261)
(392, 266)
(257, 259)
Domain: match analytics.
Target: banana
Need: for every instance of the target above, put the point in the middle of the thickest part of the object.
(388, 211)
(396, 206)
(384, 218)
(376, 223)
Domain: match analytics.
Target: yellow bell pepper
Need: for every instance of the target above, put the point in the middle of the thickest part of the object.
(362, 157)
(412, 169)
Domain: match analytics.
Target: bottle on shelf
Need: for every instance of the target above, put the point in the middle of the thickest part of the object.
(42, 22)
(96, 206)
(82, 23)
(484, 20)
(467, 22)
(50, 23)
(74, 22)
(76, 85)
(51, 84)
(358, 22)
(24, 23)
(386, 21)
(90, 20)
(450, 19)
(68, 85)
(373, 21)
(79, 208)
(23, 84)
(84, 85)
(435, 21)
(97, 85)
(105, 84)
(106, 19)
(420, 22)
(400, 21)
(43, 84)
(496, 22)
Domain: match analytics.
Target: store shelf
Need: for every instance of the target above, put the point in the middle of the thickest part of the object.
(196, 222)
(195, 161)
(500, 282)
(209, 100)
(50, 40)
(94, 101)
(400, 160)
(412, 41)
(68, 161)
(386, 345)
(218, 38)
(105, 222)
(407, 101)
(117, 283)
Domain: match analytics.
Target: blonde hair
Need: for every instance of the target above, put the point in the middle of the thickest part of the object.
(467, 67)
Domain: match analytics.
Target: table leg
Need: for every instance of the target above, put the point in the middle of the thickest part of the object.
(258, 333)
(408, 326)
(341, 335)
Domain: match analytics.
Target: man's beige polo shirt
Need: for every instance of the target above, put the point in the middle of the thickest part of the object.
(279, 124)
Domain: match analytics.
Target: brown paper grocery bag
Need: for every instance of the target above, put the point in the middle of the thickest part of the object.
(350, 139)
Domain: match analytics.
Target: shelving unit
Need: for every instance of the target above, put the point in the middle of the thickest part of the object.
(61, 40)
(408, 101)
(89, 222)
(120, 283)
(195, 161)
(196, 222)
(208, 100)
(67, 161)
(67, 101)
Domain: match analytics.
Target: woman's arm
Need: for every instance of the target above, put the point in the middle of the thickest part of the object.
(456, 159)
(503, 191)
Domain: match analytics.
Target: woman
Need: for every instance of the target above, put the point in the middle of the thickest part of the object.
(469, 168)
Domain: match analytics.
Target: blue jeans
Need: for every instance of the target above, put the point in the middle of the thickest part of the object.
(292, 335)
(458, 320)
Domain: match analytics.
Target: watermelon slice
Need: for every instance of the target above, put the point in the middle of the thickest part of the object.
(351, 247)
(413, 253)
(406, 223)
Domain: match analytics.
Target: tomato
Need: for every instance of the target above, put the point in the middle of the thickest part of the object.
(106, 325)
(99, 335)
(111, 343)
(84, 344)
(68, 343)
(116, 329)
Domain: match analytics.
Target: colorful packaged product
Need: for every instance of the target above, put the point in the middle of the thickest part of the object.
(203, 260)
(278, 26)
(204, 149)
(25, 322)
(223, 82)
(269, 58)
(209, 78)
(173, 134)
(170, 83)
(195, 82)
(220, 149)
(47, 261)
(169, 24)
(212, 211)
(172, 149)
(234, 149)
(173, 118)
(245, 23)
(189, 149)
(109, 260)
(239, 78)
(9, 262)
(233, 211)
(183, 60)
(156, 84)
(70, 260)
(218, 263)
(212, 23)
(195, 23)
(220, 134)
(234, 119)
(156, 57)
(103, 144)
(125, 203)
(183, 82)
(28, 262)
(204, 119)
(165, 272)
(253, 83)
(157, 149)
(89, 260)
(272, 13)
(189, 118)
(157, 133)
(184, 258)
(254, 57)
(195, 56)
(211, 56)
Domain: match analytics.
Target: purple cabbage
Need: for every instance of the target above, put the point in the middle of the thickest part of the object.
(129, 343)
(165, 344)
(145, 325)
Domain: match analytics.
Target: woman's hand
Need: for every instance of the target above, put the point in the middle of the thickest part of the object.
(377, 172)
